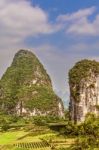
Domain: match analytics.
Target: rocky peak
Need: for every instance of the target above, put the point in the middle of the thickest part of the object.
(84, 89)
(31, 68)
(26, 88)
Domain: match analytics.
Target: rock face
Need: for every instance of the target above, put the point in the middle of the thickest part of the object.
(84, 90)
(26, 89)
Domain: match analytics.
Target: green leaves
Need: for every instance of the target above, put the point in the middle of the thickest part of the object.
(81, 71)
(26, 82)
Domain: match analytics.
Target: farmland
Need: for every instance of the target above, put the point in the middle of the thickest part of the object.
(22, 140)
(47, 133)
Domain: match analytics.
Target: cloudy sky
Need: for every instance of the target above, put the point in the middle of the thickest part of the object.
(59, 32)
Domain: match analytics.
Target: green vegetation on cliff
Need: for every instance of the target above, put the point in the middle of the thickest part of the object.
(27, 83)
(80, 71)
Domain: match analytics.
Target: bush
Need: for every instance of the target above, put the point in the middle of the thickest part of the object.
(85, 143)
(87, 128)
(5, 127)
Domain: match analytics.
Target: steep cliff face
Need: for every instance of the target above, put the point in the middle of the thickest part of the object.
(26, 89)
(84, 89)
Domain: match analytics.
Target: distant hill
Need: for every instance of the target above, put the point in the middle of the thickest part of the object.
(26, 89)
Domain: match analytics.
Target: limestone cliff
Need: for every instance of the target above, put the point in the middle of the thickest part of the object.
(26, 89)
(84, 89)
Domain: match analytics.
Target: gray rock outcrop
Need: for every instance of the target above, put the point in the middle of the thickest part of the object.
(84, 90)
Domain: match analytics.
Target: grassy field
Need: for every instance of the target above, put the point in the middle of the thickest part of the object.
(30, 140)
(25, 140)
(42, 137)
(10, 137)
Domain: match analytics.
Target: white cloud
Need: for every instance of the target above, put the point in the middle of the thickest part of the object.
(19, 20)
(77, 15)
(79, 23)
(82, 26)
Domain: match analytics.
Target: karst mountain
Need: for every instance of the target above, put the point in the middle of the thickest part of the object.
(26, 88)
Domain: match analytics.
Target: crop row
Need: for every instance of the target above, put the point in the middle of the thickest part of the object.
(32, 145)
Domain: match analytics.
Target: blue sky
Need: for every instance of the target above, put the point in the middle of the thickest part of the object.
(65, 5)
(59, 32)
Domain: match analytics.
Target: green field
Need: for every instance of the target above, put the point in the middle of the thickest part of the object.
(22, 140)
(48, 134)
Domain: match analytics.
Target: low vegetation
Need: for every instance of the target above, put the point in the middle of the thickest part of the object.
(47, 133)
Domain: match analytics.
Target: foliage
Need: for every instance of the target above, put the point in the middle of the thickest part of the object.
(81, 70)
(89, 127)
(27, 83)
(87, 133)
(42, 98)
(45, 120)
(67, 115)
(5, 126)
(87, 143)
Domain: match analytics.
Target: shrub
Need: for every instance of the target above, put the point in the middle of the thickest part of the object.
(5, 127)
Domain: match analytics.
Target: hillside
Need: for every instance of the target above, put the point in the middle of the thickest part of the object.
(84, 89)
(26, 89)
